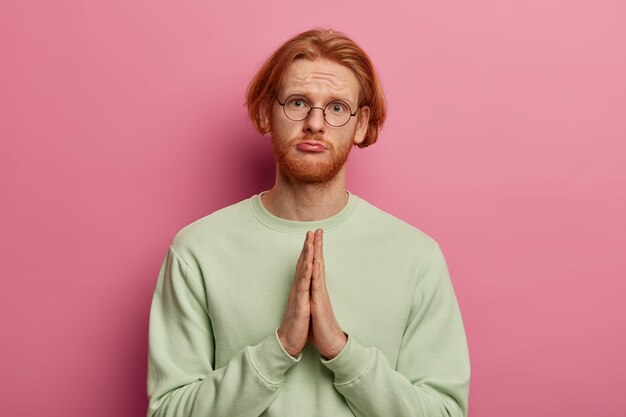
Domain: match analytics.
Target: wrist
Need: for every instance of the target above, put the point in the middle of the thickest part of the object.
(286, 347)
(341, 344)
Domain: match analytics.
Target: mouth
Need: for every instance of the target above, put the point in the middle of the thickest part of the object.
(311, 147)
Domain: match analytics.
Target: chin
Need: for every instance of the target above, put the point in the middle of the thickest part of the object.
(317, 175)
(294, 165)
(310, 173)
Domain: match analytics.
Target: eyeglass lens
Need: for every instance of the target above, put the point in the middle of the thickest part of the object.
(336, 113)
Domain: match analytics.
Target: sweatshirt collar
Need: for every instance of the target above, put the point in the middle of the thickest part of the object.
(297, 227)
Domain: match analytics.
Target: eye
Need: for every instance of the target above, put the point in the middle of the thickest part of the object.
(338, 107)
(298, 103)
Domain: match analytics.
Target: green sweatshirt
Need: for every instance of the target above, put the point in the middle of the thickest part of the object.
(222, 291)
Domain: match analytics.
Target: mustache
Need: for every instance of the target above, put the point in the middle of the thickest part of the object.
(315, 138)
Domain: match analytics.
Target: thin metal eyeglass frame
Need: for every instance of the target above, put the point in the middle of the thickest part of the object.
(323, 109)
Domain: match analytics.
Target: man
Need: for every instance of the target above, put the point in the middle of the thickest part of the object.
(306, 300)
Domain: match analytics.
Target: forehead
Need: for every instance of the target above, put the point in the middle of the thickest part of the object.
(320, 77)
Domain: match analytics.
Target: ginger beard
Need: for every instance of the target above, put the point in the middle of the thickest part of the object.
(316, 167)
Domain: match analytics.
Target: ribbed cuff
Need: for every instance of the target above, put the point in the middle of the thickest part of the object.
(352, 362)
(271, 360)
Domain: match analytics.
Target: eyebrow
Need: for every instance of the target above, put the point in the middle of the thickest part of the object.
(333, 98)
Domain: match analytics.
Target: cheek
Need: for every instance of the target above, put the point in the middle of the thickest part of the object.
(276, 112)
(277, 121)
(284, 129)
(348, 135)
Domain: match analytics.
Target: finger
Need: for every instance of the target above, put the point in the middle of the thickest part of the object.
(317, 281)
(317, 244)
(307, 266)
(304, 279)
(301, 259)
(305, 246)
(310, 248)
(316, 270)
(304, 254)
(321, 247)
(321, 306)
(319, 293)
(319, 256)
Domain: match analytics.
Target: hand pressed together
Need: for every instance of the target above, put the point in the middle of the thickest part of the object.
(309, 314)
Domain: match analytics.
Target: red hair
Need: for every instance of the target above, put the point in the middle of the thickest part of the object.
(315, 44)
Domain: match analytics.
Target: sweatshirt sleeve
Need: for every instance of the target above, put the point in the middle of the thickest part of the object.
(432, 374)
(182, 381)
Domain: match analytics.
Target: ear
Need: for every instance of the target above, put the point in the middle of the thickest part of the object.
(265, 121)
(362, 123)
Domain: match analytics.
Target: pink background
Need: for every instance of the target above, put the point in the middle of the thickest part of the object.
(123, 121)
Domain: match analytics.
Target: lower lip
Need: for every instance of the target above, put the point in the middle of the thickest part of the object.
(310, 148)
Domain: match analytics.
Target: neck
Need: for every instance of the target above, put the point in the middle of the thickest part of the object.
(304, 201)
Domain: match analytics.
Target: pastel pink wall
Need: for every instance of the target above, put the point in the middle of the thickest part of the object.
(122, 121)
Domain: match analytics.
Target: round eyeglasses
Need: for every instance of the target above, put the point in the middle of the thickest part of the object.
(297, 108)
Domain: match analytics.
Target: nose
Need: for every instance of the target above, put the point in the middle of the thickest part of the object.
(315, 122)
